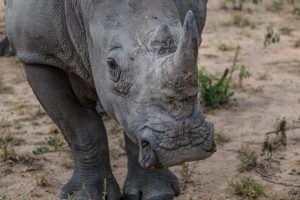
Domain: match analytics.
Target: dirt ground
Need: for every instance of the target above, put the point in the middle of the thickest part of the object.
(271, 92)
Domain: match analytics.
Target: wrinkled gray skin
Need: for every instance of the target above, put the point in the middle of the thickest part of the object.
(137, 60)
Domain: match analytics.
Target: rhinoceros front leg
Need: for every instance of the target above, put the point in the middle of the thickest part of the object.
(147, 184)
(84, 131)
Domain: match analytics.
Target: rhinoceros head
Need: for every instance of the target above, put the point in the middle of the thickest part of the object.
(148, 81)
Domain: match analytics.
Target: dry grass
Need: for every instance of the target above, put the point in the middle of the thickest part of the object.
(247, 187)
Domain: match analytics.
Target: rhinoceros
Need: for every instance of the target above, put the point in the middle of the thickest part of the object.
(134, 59)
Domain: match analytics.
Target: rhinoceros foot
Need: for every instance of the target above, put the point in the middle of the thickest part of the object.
(151, 185)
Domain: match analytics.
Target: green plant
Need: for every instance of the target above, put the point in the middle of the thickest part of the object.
(296, 11)
(104, 194)
(186, 172)
(271, 36)
(239, 19)
(215, 90)
(4, 197)
(40, 150)
(286, 30)
(41, 179)
(17, 125)
(276, 5)
(270, 144)
(8, 139)
(115, 128)
(247, 187)
(282, 127)
(248, 158)
(244, 73)
(54, 142)
(9, 154)
(239, 4)
(221, 138)
(225, 47)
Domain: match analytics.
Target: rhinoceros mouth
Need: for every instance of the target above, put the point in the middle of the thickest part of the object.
(171, 147)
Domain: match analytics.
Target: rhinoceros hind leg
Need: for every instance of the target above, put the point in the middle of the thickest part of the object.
(83, 130)
(147, 184)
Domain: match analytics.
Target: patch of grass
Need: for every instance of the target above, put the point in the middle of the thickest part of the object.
(225, 47)
(271, 143)
(17, 125)
(19, 75)
(271, 37)
(221, 138)
(4, 196)
(188, 197)
(41, 180)
(19, 109)
(40, 150)
(239, 4)
(286, 30)
(8, 139)
(9, 154)
(248, 158)
(186, 172)
(55, 142)
(247, 187)
(243, 74)
(115, 128)
(276, 5)
(239, 19)
(296, 11)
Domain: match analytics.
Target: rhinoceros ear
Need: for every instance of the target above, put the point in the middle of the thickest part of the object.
(199, 9)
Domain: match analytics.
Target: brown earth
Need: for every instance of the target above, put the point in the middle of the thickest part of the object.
(271, 92)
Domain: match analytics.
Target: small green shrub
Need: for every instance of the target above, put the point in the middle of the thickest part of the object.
(247, 187)
(276, 5)
(244, 73)
(215, 90)
(270, 144)
(225, 47)
(271, 37)
(9, 154)
(186, 172)
(296, 11)
(41, 179)
(8, 139)
(239, 4)
(54, 142)
(248, 158)
(40, 150)
(4, 197)
(239, 19)
(221, 138)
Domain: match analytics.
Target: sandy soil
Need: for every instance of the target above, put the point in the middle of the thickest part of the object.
(271, 92)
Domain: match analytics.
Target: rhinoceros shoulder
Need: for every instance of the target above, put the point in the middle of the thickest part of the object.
(48, 33)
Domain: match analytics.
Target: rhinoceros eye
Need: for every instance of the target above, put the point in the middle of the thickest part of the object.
(112, 63)
(114, 70)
